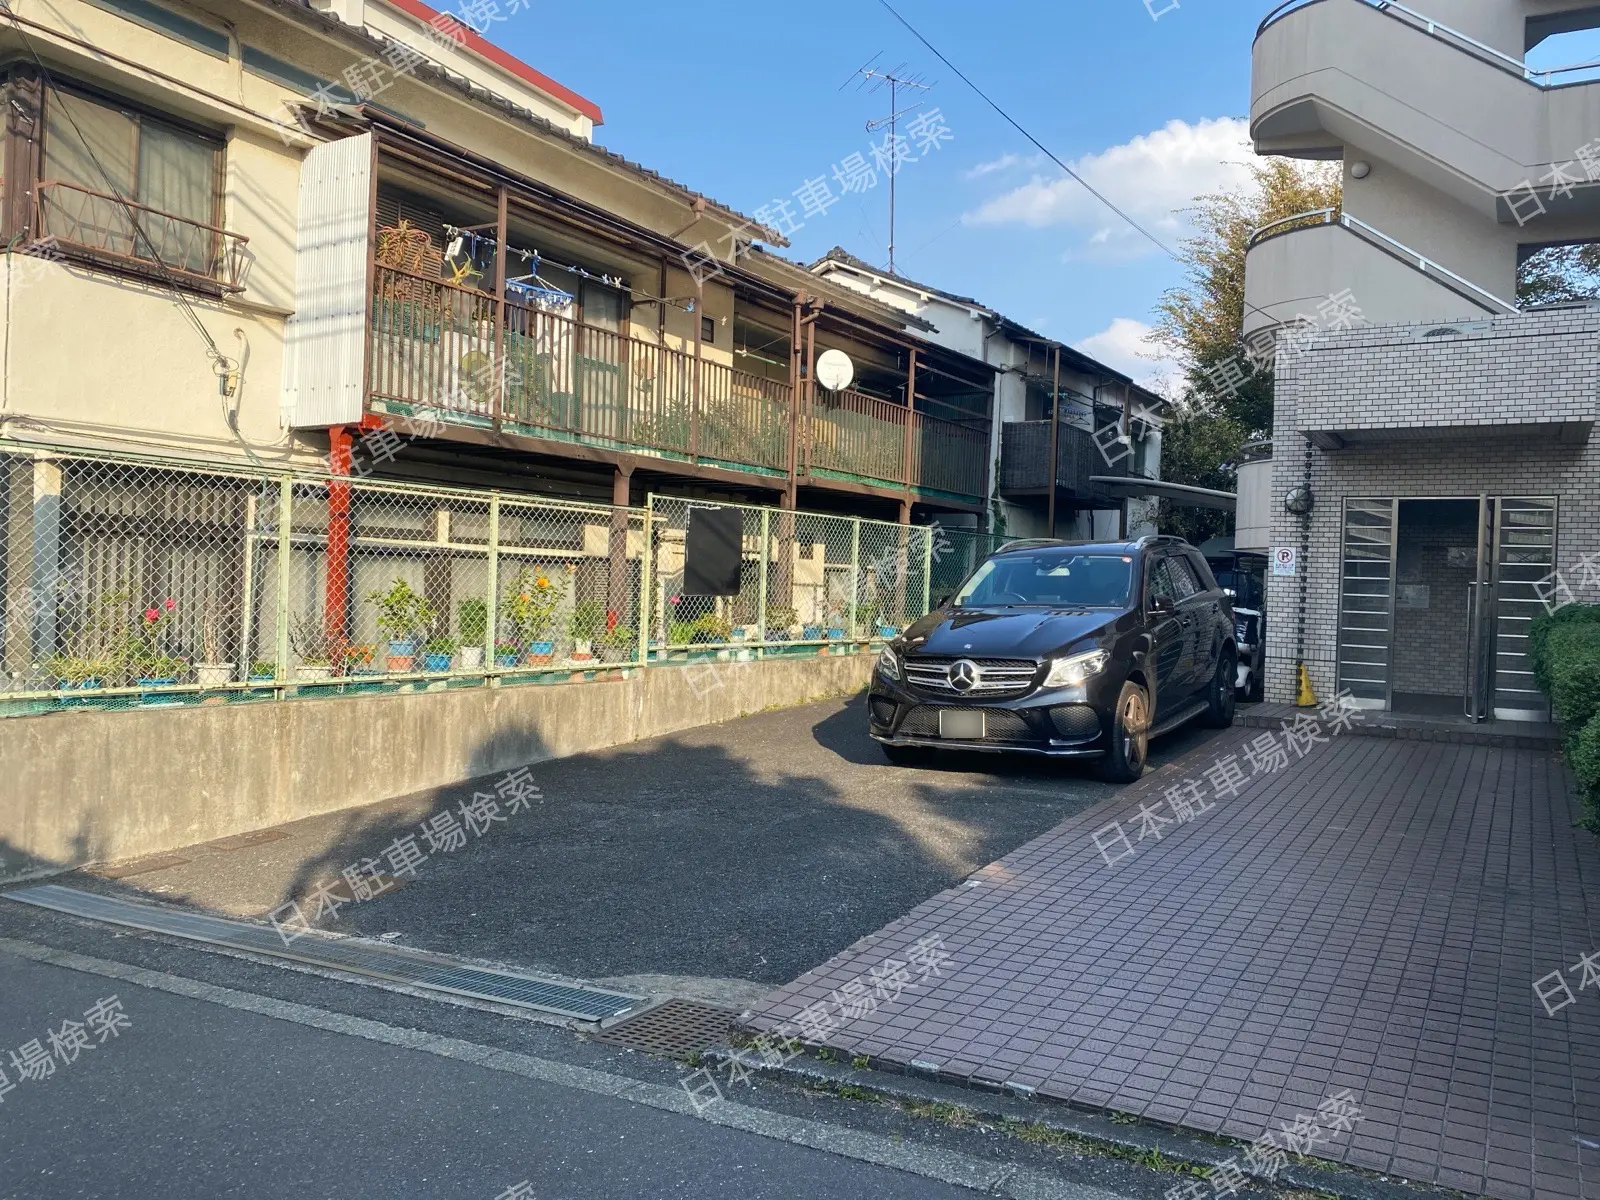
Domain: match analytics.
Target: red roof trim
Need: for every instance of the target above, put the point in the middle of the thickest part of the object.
(486, 49)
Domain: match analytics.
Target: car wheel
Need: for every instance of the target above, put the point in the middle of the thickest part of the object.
(1222, 697)
(902, 756)
(1130, 736)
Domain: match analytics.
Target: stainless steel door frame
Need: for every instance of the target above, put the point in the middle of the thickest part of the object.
(1480, 618)
(1364, 644)
(1524, 551)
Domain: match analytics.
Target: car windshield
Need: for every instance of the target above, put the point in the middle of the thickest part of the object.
(1050, 579)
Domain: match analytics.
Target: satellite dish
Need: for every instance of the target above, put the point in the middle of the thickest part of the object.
(835, 371)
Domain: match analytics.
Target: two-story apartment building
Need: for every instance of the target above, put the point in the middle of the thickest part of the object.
(1047, 396)
(358, 236)
(1434, 479)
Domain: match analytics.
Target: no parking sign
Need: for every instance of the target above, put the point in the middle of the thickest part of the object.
(1284, 559)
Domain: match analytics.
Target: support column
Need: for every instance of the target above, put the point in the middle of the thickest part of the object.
(33, 564)
(336, 595)
(498, 381)
(1055, 444)
(906, 472)
(618, 590)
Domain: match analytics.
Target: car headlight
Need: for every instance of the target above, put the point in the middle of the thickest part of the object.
(1078, 668)
(889, 663)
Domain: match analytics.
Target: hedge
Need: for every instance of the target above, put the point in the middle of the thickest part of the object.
(1564, 649)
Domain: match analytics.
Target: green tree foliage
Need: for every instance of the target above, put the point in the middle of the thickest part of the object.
(1201, 323)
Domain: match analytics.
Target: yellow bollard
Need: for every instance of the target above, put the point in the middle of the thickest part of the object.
(1307, 698)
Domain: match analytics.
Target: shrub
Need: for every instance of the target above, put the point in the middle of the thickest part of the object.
(1584, 757)
(1574, 672)
(1540, 632)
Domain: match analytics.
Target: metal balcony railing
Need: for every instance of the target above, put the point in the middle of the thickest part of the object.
(1546, 78)
(1025, 457)
(114, 231)
(433, 345)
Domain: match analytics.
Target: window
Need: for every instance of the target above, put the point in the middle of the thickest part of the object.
(1172, 579)
(95, 152)
(1051, 579)
(602, 306)
(708, 329)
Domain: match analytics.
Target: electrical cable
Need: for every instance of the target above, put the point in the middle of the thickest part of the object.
(1048, 153)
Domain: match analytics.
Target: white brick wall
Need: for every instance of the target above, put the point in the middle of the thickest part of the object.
(1453, 416)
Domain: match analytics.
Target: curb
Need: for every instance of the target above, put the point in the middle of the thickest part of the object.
(1189, 1148)
(1465, 736)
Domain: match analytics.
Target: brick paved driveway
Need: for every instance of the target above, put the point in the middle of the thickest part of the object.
(1371, 917)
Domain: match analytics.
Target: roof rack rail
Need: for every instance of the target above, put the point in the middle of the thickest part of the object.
(1019, 543)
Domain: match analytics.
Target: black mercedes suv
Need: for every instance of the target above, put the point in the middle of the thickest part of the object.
(1062, 649)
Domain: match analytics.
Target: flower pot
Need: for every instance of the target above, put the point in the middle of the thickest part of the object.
(399, 649)
(811, 633)
(836, 631)
(615, 654)
(540, 660)
(471, 658)
(263, 678)
(314, 672)
(507, 661)
(583, 648)
(398, 664)
(739, 634)
(213, 674)
(437, 662)
(541, 650)
(886, 631)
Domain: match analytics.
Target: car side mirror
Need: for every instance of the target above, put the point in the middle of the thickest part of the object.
(941, 601)
(1161, 604)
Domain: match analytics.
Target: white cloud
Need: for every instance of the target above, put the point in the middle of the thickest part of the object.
(1150, 177)
(1125, 345)
(1004, 163)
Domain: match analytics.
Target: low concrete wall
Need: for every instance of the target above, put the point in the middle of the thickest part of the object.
(97, 786)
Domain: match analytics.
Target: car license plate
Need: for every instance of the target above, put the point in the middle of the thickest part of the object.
(962, 724)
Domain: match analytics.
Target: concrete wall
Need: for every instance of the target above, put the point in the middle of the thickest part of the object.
(98, 786)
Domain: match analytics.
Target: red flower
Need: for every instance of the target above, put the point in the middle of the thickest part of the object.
(171, 604)
(152, 615)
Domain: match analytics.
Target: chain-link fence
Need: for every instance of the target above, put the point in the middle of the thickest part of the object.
(131, 582)
(805, 579)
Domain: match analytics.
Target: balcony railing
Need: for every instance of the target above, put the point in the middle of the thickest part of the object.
(116, 232)
(1025, 459)
(432, 345)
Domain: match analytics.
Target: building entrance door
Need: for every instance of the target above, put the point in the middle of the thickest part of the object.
(1436, 597)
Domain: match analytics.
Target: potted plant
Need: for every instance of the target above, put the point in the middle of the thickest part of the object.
(311, 644)
(472, 619)
(403, 613)
(358, 660)
(588, 622)
(212, 671)
(709, 628)
(619, 644)
(836, 625)
(507, 654)
(530, 606)
(780, 620)
(262, 671)
(81, 674)
(438, 653)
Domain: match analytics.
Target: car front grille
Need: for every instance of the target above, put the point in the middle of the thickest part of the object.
(1000, 725)
(997, 678)
(882, 710)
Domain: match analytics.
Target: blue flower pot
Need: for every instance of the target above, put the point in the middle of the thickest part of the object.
(541, 649)
(886, 631)
(436, 662)
(507, 661)
(811, 633)
(835, 632)
(402, 649)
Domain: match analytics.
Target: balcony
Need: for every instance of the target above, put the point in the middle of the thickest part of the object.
(122, 235)
(432, 349)
(1025, 458)
(1295, 264)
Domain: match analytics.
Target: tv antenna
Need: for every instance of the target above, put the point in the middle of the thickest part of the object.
(874, 79)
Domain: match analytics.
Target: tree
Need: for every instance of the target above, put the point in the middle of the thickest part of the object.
(1559, 275)
(1201, 323)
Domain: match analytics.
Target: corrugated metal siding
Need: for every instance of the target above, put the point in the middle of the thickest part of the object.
(323, 364)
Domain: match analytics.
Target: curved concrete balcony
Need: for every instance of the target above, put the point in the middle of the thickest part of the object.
(1453, 112)
(1296, 264)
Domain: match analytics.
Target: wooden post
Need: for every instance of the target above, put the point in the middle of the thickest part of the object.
(1055, 442)
(911, 408)
(498, 376)
(794, 403)
(617, 567)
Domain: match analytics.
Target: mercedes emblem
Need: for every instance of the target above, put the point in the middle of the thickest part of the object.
(963, 675)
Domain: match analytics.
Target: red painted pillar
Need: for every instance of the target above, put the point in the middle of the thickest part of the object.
(336, 607)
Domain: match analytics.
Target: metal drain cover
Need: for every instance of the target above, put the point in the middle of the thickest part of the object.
(676, 1028)
(393, 963)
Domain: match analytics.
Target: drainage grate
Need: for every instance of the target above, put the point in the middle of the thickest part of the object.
(676, 1028)
(391, 963)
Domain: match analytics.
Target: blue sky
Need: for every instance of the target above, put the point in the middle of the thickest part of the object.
(743, 102)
